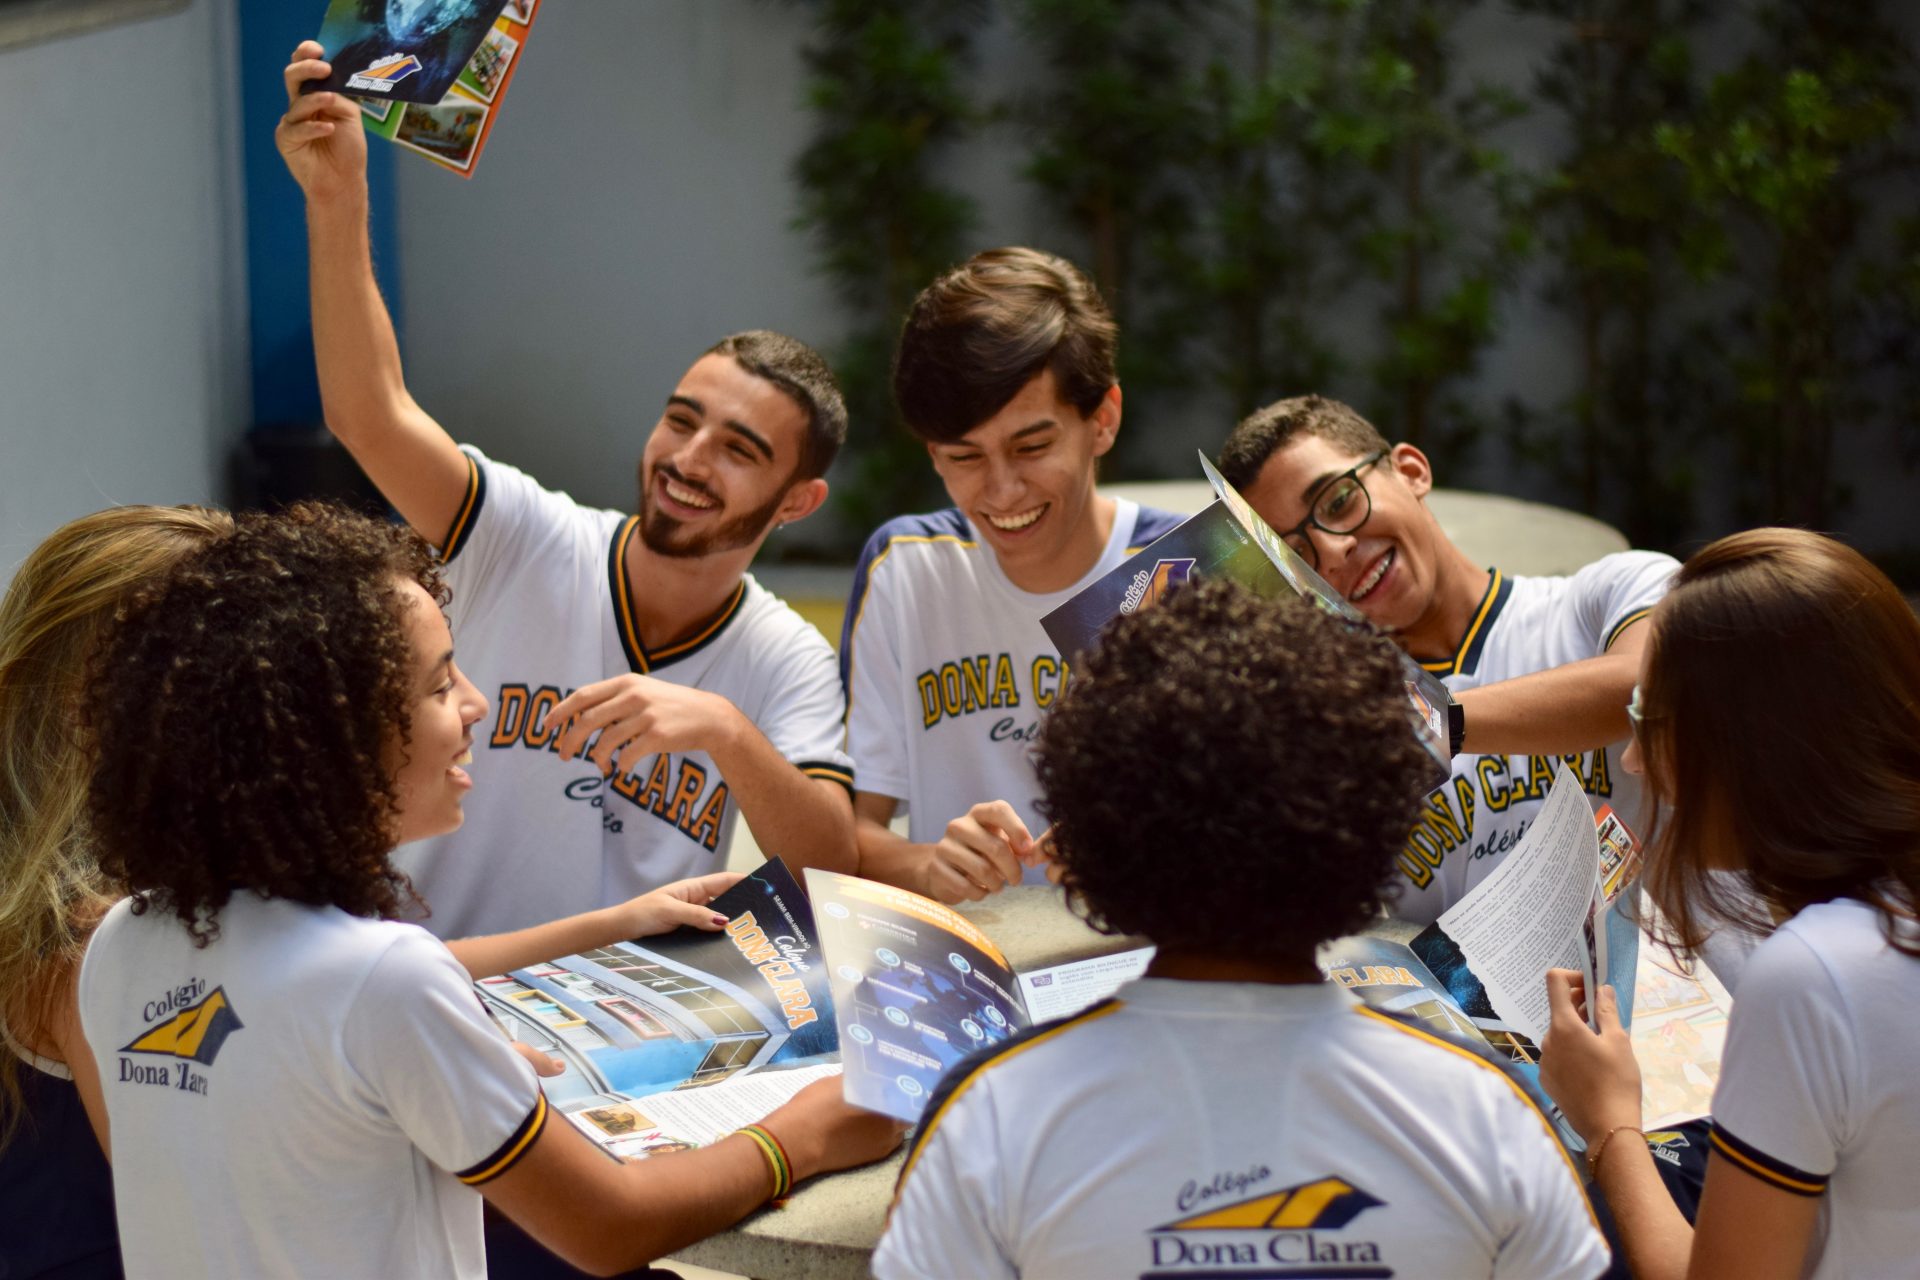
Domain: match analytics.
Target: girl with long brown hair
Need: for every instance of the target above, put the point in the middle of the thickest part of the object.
(1778, 722)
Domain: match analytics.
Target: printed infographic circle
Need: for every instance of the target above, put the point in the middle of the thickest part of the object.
(898, 1017)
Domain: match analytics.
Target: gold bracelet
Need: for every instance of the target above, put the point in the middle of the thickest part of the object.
(776, 1158)
(1594, 1151)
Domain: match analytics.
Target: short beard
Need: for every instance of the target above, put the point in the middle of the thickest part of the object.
(666, 536)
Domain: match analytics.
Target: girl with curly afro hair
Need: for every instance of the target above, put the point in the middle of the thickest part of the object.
(1232, 777)
(296, 1082)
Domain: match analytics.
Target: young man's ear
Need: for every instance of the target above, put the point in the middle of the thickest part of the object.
(1412, 466)
(802, 500)
(1105, 421)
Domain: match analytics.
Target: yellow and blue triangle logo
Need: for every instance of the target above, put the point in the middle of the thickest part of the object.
(393, 69)
(195, 1033)
(1327, 1204)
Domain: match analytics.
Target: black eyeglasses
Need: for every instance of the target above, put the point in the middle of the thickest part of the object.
(1342, 506)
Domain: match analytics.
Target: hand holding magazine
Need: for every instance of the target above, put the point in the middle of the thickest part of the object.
(677, 1040)
(1557, 901)
(1229, 539)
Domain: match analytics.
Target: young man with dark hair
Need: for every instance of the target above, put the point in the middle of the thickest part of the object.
(696, 695)
(1006, 371)
(1232, 1109)
(1543, 668)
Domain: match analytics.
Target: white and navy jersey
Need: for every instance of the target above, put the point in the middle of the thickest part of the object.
(1817, 1094)
(948, 670)
(1222, 1129)
(541, 606)
(310, 1094)
(1522, 626)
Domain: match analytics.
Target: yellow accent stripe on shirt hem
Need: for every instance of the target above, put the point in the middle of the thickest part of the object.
(1763, 1173)
(459, 528)
(933, 1122)
(1623, 624)
(513, 1153)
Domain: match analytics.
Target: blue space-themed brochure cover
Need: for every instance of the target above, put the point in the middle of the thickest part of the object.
(916, 987)
(402, 50)
(1229, 539)
(681, 1010)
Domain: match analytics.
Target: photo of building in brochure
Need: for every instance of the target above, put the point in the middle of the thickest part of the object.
(1229, 539)
(681, 1011)
(402, 50)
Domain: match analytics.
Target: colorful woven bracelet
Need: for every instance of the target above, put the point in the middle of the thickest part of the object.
(776, 1157)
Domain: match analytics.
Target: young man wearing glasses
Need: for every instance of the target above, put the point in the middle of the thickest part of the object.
(1542, 667)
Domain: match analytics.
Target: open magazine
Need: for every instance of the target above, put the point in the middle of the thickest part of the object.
(429, 76)
(677, 1040)
(1229, 539)
(917, 987)
(1561, 900)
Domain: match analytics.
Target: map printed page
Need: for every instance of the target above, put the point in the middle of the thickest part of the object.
(916, 987)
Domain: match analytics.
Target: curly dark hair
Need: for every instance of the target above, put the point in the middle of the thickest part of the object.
(1230, 775)
(245, 706)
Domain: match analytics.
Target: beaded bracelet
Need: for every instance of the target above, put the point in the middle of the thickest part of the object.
(1593, 1152)
(776, 1157)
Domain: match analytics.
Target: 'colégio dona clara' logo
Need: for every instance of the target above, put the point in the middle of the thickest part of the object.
(384, 73)
(1296, 1231)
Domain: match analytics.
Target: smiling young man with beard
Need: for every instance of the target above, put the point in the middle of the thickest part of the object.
(1006, 371)
(645, 690)
(1543, 668)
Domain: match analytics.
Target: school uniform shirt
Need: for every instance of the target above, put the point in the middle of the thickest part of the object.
(542, 605)
(1523, 625)
(948, 670)
(311, 1094)
(1817, 1093)
(1235, 1128)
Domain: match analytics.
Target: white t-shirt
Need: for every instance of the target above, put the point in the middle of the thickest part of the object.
(948, 670)
(1521, 626)
(305, 1096)
(1817, 1088)
(542, 606)
(1224, 1127)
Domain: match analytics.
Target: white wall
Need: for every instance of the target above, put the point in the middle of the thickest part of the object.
(633, 206)
(123, 353)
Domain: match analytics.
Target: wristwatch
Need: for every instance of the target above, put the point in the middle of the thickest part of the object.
(1456, 725)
